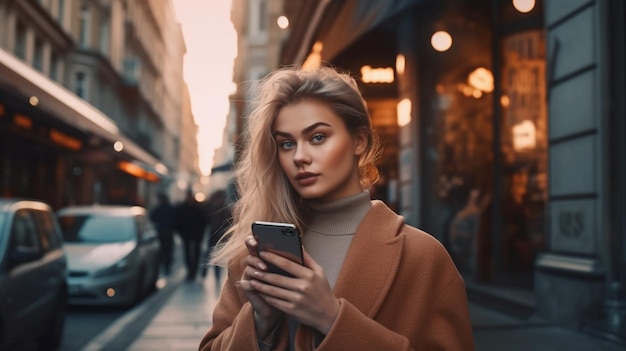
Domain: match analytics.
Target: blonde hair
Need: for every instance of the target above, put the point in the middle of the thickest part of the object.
(264, 192)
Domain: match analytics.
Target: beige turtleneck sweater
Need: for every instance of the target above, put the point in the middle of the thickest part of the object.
(330, 231)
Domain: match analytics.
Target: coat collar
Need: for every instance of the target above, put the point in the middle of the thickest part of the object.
(372, 260)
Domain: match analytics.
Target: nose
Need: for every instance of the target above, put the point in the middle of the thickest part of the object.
(301, 156)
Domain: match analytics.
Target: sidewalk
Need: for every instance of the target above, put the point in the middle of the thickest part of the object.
(184, 319)
(186, 316)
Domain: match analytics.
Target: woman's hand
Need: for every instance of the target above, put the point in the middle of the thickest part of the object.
(265, 315)
(307, 297)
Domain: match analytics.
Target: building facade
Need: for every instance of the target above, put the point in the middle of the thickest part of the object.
(91, 100)
(503, 125)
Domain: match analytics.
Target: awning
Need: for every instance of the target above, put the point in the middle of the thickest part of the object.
(60, 102)
(355, 18)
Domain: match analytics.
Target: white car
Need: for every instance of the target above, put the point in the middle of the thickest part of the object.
(113, 254)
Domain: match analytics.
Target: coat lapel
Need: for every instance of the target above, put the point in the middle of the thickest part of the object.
(372, 260)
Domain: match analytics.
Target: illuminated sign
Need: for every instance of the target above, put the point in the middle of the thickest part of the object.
(376, 75)
(22, 121)
(65, 140)
(137, 171)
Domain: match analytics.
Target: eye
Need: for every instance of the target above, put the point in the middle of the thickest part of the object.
(286, 144)
(318, 138)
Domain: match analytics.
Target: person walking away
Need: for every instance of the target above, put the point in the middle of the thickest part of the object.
(368, 281)
(163, 218)
(190, 222)
(219, 222)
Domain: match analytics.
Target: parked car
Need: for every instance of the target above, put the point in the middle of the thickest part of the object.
(113, 254)
(32, 275)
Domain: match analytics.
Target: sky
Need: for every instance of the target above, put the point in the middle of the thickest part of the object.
(211, 42)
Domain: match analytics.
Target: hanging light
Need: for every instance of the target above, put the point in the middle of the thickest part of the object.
(441, 41)
(524, 6)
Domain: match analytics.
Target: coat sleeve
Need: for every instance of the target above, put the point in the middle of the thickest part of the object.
(233, 321)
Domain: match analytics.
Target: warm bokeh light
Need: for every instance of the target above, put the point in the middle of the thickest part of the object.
(481, 79)
(400, 63)
(161, 168)
(524, 6)
(118, 146)
(441, 41)
(376, 75)
(314, 59)
(505, 101)
(404, 112)
(283, 22)
(524, 135)
(33, 101)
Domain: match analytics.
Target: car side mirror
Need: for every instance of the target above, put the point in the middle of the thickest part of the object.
(24, 254)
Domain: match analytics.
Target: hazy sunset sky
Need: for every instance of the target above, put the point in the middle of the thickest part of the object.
(211, 43)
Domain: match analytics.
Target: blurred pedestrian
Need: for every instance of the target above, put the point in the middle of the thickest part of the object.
(219, 221)
(190, 222)
(163, 218)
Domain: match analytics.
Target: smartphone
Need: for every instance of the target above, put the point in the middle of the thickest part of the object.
(280, 238)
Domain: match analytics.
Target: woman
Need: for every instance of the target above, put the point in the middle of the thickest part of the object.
(369, 281)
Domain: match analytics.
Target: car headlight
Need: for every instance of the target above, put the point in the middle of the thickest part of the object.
(119, 267)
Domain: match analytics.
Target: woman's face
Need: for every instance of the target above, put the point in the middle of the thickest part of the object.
(316, 152)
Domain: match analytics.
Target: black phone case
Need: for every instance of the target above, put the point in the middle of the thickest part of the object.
(280, 238)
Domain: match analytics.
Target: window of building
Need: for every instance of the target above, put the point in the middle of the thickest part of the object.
(61, 9)
(84, 24)
(258, 19)
(104, 36)
(54, 66)
(38, 54)
(81, 84)
(19, 48)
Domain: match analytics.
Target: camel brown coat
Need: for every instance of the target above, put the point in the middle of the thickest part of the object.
(398, 290)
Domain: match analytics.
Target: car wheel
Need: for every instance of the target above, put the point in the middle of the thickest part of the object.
(53, 337)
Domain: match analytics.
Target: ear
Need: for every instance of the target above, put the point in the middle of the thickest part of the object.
(360, 142)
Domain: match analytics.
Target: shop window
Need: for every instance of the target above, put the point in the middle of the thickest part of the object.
(457, 120)
(523, 151)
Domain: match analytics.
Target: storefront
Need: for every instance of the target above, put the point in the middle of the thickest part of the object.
(496, 119)
(56, 147)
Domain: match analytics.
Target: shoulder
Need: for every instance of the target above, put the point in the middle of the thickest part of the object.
(419, 244)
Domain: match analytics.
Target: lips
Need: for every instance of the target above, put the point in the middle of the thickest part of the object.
(306, 178)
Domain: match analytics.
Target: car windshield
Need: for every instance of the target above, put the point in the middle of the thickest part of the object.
(86, 228)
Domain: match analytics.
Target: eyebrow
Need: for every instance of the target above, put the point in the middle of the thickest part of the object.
(304, 131)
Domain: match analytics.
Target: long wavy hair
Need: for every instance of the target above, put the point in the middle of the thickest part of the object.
(265, 193)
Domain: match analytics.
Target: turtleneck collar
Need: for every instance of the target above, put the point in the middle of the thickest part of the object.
(339, 217)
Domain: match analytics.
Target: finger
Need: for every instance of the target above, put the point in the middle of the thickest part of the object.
(272, 291)
(256, 262)
(251, 245)
(309, 261)
(285, 264)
